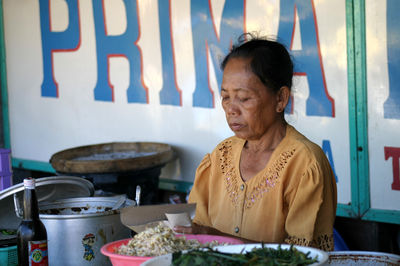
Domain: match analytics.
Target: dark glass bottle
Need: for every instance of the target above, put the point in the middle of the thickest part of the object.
(31, 235)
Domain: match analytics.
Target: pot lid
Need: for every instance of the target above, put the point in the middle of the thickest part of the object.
(47, 189)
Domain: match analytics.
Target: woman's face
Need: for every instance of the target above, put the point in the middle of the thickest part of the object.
(250, 107)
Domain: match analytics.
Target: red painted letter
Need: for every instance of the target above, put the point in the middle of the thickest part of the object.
(395, 154)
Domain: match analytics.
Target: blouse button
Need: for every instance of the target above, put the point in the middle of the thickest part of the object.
(242, 187)
(236, 229)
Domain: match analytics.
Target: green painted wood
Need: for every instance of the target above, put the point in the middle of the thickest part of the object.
(344, 210)
(175, 185)
(353, 209)
(32, 165)
(361, 121)
(361, 105)
(386, 216)
(3, 76)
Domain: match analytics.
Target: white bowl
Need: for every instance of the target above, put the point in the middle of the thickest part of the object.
(322, 256)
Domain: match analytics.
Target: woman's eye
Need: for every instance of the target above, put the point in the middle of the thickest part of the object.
(243, 99)
(224, 98)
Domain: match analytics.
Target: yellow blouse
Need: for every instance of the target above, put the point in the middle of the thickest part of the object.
(292, 200)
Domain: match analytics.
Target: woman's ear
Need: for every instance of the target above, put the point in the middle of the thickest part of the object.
(282, 98)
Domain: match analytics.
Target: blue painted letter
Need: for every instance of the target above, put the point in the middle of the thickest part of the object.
(170, 93)
(308, 61)
(326, 147)
(118, 46)
(67, 40)
(391, 108)
(205, 38)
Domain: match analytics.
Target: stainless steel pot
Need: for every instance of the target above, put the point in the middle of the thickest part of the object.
(78, 227)
(363, 258)
(47, 189)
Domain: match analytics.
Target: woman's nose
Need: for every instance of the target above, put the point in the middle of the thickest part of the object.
(232, 108)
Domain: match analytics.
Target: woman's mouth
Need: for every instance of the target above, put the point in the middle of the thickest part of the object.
(235, 126)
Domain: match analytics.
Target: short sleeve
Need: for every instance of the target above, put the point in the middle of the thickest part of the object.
(314, 205)
(200, 191)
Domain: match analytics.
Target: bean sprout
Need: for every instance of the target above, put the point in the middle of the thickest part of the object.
(158, 241)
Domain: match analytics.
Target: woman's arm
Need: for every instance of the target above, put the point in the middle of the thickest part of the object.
(201, 229)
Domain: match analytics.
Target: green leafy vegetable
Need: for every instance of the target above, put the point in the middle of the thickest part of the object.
(257, 256)
(8, 232)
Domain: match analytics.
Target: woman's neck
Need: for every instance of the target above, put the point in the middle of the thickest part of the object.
(269, 140)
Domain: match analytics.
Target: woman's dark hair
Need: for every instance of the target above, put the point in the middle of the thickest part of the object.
(269, 60)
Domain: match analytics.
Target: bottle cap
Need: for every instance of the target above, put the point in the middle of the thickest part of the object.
(29, 183)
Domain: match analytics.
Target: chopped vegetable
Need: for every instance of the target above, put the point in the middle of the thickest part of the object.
(257, 256)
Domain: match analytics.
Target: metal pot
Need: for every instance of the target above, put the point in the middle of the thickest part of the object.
(47, 189)
(78, 227)
(363, 258)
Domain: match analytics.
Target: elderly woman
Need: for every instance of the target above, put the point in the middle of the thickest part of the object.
(268, 182)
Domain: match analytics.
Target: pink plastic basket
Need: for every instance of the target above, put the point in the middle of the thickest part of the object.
(124, 260)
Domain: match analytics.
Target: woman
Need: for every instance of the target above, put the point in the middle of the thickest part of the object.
(268, 182)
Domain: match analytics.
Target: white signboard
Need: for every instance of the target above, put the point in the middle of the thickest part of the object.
(383, 66)
(85, 72)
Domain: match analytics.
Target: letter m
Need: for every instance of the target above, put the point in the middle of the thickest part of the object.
(206, 40)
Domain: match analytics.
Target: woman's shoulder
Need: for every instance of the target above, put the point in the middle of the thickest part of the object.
(309, 156)
(223, 153)
(302, 145)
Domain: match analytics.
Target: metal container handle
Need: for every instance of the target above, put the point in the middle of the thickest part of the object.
(137, 198)
(121, 201)
(18, 210)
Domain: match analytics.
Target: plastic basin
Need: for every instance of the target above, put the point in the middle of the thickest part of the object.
(125, 260)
